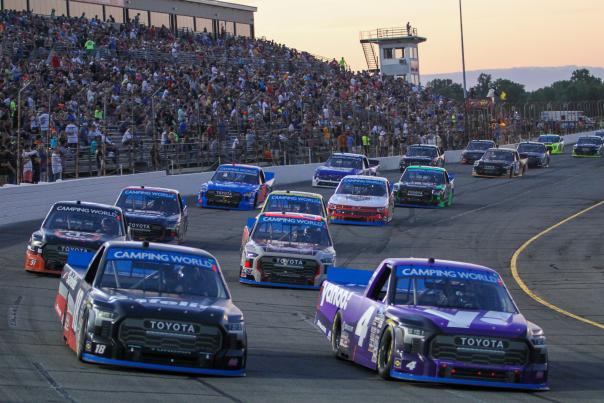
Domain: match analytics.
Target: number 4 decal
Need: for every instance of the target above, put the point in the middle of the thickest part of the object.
(363, 325)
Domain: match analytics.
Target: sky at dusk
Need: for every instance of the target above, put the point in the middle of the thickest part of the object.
(498, 33)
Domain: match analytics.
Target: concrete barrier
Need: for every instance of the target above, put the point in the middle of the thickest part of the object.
(31, 202)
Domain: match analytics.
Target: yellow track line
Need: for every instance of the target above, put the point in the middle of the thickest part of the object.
(524, 287)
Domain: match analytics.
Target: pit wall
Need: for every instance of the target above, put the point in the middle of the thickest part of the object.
(31, 202)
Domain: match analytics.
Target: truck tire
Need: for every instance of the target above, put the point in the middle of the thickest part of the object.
(81, 335)
(385, 352)
(336, 333)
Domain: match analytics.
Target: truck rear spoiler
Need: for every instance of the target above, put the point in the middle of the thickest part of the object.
(346, 276)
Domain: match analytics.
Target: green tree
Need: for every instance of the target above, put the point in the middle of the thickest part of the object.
(515, 92)
(447, 88)
(484, 83)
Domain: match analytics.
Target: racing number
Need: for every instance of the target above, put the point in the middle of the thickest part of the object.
(363, 325)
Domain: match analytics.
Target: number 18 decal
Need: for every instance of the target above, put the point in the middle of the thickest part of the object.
(363, 325)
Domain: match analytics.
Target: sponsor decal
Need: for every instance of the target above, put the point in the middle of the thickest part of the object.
(336, 296)
(67, 249)
(301, 199)
(237, 169)
(136, 225)
(71, 279)
(473, 275)
(321, 326)
(364, 182)
(222, 193)
(288, 262)
(152, 193)
(87, 210)
(167, 302)
(161, 257)
(173, 327)
(480, 342)
(292, 221)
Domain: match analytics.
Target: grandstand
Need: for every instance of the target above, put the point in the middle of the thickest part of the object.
(190, 98)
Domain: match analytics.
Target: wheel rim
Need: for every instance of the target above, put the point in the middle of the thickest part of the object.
(384, 353)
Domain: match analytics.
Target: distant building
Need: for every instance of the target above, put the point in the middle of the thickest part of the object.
(397, 52)
(211, 16)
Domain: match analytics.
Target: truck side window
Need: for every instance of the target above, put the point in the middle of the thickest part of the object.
(94, 265)
(365, 163)
(380, 285)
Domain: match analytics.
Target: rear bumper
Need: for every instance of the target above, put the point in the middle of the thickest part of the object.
(35, 263)
(160, 367)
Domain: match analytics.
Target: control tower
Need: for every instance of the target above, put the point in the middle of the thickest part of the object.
(396, 54)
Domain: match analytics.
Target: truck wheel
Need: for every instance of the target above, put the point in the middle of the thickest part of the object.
(81, 336)
(336, 333)
(385, 352)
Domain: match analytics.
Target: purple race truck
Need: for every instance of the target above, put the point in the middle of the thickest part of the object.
(429, 320)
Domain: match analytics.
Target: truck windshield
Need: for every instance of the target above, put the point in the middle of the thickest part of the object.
(498, 155)
(421, 152)
(291, 232)
(468, 290)
(595, 141)
(549, 139)
(148, 201)
(160, 273)
(84, 219)
(362, 187)
(531, 148)
(479, 145)
(423, 176)
(294, 204)
(344, 162)
(247, 176)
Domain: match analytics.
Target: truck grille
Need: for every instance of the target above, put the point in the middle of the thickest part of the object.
(585, 151)
(444, 347)
(146, 232)
(223, 198)
(55, 256)
(274, 273)
(132, 332)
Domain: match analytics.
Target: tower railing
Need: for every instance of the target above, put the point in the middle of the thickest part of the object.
(385, 33)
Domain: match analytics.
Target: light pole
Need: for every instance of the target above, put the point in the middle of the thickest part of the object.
(463, 67)
(19, 131)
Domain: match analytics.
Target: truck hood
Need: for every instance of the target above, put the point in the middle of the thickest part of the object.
(138, 303)
(151, 217)
(359, 201)
(419, 185)
(301, 249)
(531, 154)
(231, 186)
(88, 240)
(336, 171)
(457, 321)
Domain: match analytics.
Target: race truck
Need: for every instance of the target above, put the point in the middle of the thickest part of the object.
(499, 162)
(553, 142)
(340, 165)
(588, 146)
(295, 202)
(475, 150)
(422, 154)
(236, 187)
(362, 200)
(151, 306)
(72, 226)
(286, 250)
(427, 187)
(536, 154)
(427, 320)
(154, 214)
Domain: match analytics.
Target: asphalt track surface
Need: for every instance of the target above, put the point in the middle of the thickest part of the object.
(289, 360)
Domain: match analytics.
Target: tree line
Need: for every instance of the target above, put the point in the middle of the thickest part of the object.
(582, 86)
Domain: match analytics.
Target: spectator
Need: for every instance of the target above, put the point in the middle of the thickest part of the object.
(56, 165)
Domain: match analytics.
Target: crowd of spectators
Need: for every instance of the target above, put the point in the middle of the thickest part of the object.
(96, 87)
